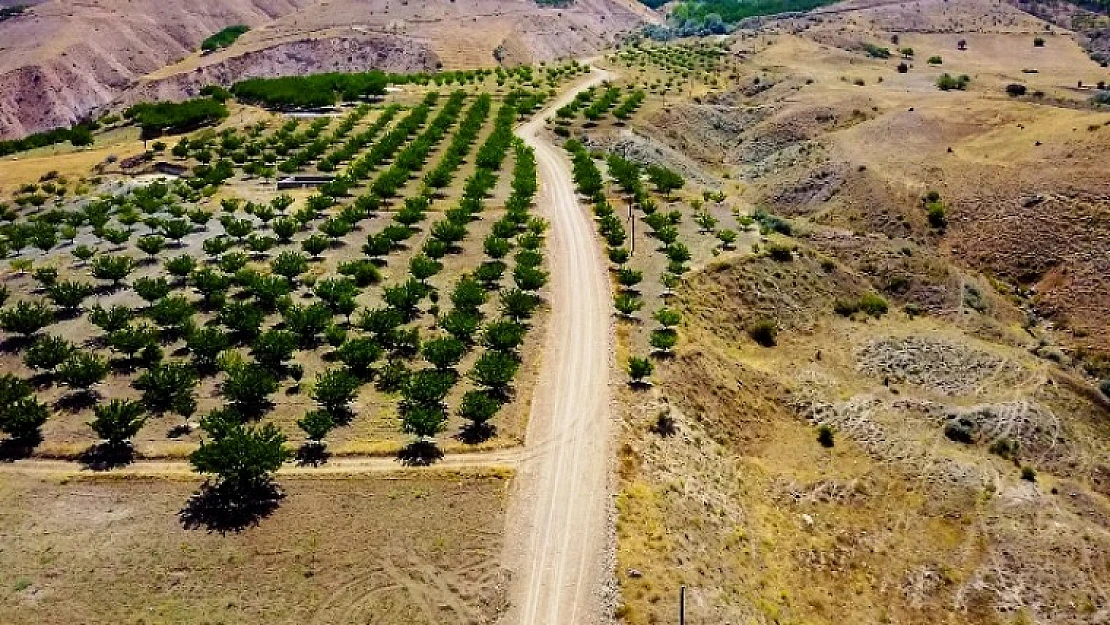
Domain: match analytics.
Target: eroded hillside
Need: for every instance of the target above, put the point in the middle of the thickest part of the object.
(60, 62)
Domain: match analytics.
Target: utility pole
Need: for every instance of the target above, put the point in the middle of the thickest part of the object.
(682, 605)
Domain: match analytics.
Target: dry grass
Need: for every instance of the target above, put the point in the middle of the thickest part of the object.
(405, 550)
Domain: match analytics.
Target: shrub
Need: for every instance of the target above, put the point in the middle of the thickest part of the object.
(780, 253)
(1015, 90)
(947, 82)
(763, 332)
(1038, 42)
(639, 369)
(224, 37)
(825, 435)
(935, 60)
(1028, 473)
(873, 304)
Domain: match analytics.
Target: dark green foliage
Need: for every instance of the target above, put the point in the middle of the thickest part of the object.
(158, 118)
(289, 264)
(518, 305)
(248, 387)
(478, 407)
(26, 317)
(79, 134)
(461, 324)
(362, 271)
(68, 294)
(130, 340)
(151, 289)
(168, 387)
(110, 319)
(82, 369)
(763, 332)
(118, 422)
(444, 352)
(312, 90)
(307, 322)
(359, 354)
(316, 424)
(21, 415)
(495, 371)
(112, 268)
(825, 435)
(273, 348)
(243, 458)
(205, 344)
(224, 37)
(947, 82)
(47, 353)
(173, 312)
(504, 335)
(639, 369)
(242, 319)
(334, 389)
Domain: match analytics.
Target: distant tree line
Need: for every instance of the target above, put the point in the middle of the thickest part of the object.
(309, 91)
(78, 135)
(710, 17)
(224, 38)
(158, 118)
(12, 11)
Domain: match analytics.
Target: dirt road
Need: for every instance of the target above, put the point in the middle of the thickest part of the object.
(558, 531)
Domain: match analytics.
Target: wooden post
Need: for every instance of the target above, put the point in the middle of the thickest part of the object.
(682, 605)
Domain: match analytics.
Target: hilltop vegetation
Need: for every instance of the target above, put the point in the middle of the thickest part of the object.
(224, 38)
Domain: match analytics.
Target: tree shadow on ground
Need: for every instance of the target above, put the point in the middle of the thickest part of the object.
(474, 433)
(107, 456)
(225, 508)
(77, 401)
(420, 454)
(312, 454)
(12, 449)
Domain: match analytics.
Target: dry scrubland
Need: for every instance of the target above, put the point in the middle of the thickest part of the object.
(952, 359)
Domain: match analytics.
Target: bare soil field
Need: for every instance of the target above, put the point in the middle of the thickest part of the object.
(402, 549)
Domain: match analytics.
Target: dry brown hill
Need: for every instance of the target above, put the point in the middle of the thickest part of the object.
(61, 60)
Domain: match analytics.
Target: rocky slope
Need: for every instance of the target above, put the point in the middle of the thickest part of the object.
(60, 62)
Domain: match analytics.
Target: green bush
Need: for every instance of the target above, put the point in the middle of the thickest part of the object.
(764, 332)
(224, 38)
(160, 118)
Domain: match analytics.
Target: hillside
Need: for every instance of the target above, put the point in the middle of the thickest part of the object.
(59, 62)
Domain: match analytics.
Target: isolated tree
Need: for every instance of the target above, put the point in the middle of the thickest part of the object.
(663, 339)
(639, 369)
(727, 238)
(421, 267)
(47, 352)
(21, 415)
(242, 319)
(461, 324)
(307, 322)
(118, 421)
(316, 424)
(174, 312)
(627, 304)
(289, 264)
(529, 278)
(181, 266)
(132, 339)
(151, 245)
(667, 317)
(110, 319)
(242, 458)
(315, 245)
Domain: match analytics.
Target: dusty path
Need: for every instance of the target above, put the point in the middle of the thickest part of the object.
(559, 529)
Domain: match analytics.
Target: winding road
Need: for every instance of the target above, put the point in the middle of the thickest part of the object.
(558, 535)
